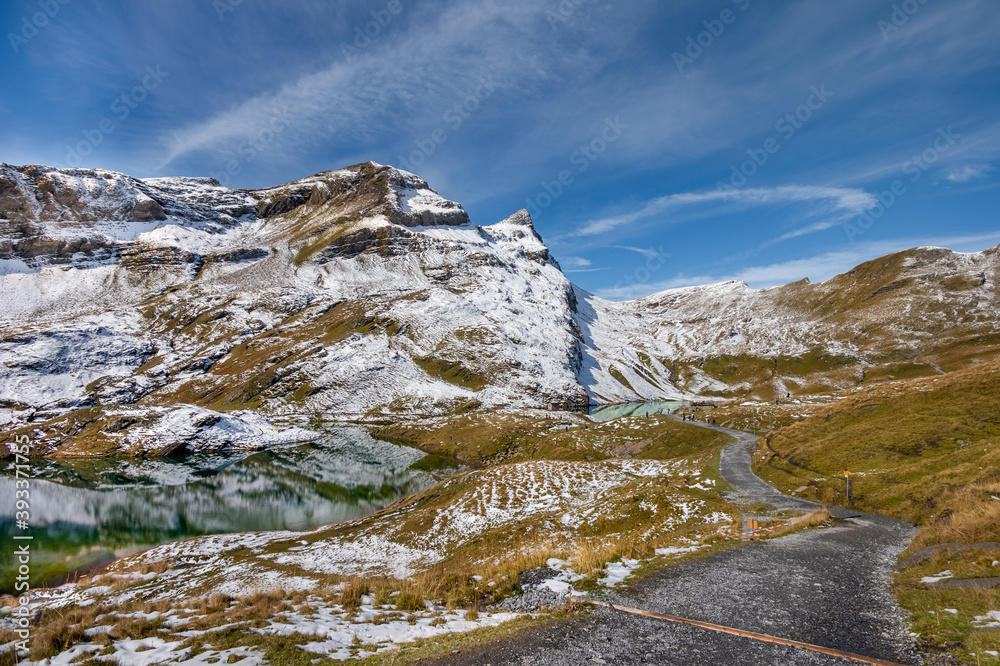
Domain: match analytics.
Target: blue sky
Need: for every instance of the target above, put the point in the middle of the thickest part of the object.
(656, 144)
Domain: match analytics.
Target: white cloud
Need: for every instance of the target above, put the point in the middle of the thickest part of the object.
(647, 252)
(817, 268)
(574, 262)
(398, 80)
(968, 172)
(812, 228)
(850, 200)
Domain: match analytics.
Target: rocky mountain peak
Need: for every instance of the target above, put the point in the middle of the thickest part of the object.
(367, 190)
(363, 292)
(520, 218)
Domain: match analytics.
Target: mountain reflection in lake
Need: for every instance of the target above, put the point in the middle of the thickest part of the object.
(608, 412)
(87, 512)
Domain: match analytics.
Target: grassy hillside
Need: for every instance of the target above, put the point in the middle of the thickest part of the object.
(488, 438)
(926, 451)
(586, 495)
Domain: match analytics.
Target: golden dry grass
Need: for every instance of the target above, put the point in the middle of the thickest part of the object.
(926, 451)
(813, 519)
(490, 438)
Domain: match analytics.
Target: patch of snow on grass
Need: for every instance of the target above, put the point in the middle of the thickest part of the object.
(340, 635)
(364, 555)
(617, 572)
(989, 621)
(937, 577)
(675, 550)
(562, 583)
(147, 651)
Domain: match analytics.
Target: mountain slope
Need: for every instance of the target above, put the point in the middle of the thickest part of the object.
(353, 292)
(362, 293)
(913, 313)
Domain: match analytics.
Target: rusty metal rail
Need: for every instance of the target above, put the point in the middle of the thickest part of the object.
(750, 634)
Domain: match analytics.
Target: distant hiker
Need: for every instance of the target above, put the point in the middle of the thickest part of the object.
(713, 421)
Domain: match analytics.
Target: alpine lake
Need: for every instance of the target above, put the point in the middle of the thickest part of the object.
(87, 513)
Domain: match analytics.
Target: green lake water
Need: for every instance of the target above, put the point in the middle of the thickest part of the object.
(608, 412)
(86, 513)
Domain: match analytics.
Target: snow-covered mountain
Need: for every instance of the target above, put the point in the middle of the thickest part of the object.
(918, 312)
(362, 293)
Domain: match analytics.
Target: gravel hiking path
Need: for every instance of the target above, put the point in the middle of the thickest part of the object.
(828, 587)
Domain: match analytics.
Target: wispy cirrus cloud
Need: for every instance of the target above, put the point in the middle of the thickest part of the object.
(401, 81)
(579, 265)
(848, 200)
(647, 252)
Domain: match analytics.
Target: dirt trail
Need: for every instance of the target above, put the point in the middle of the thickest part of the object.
(827, 587)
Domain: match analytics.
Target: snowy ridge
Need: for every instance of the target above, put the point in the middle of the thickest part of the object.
(418, 203)
(913, 305)
(362, 293)
(346, 292)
